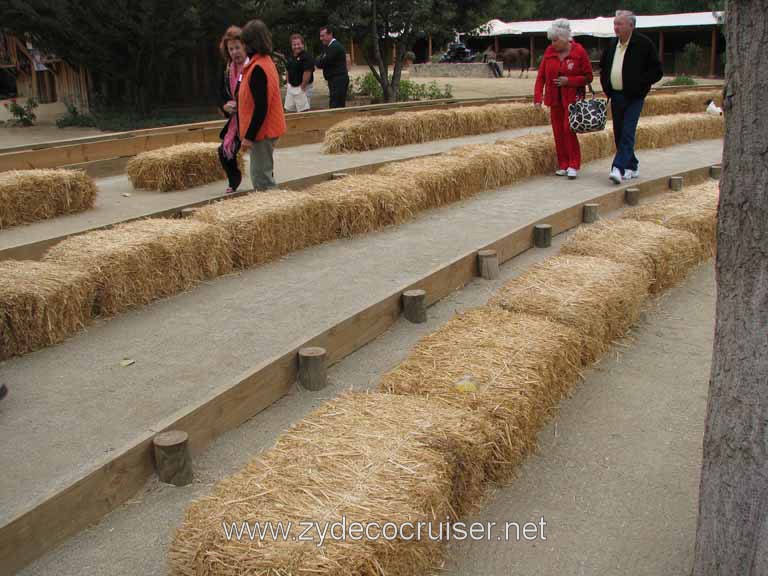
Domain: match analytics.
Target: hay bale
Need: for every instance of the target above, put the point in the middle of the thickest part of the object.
(365, 202)
(265, 226)
(32, 195)
(368, 458)
(510, 369)
(665, 131)
(41, 303)
(137, 262)
(667, 255)
(693, 210)
(177, 167)
(598, 298)
(680, 102)
(401, 128)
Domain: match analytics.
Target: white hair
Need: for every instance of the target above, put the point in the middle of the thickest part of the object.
(560, 28)
(628, 15)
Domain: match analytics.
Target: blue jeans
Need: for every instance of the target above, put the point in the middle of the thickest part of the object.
(625, 113)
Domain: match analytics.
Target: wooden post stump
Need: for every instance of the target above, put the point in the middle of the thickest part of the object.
(542, 235)
(591, 213)
(488, 264)
(414, 306)
(188, 212)
(676, 183)
(172, 460)
(312, 368)
(715, 171)
(632, 196)
(339, 175)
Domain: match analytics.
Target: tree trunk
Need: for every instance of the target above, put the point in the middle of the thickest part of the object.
(732, 532)
(382, 74)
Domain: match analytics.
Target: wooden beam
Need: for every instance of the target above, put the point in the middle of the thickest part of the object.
(429, 40)
(713, 52)
(496, 45)
(532, 49)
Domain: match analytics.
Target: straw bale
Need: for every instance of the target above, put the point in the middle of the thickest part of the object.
(693, 210)
(270, 224)
(137, 262)
(365, 202)
(666, 254)
(401, 128)
(362, 458)
(598, 298)
(41, 303)
(680, 102)
(177, 167)
(511, 369)
(31, 195)
(664, 131)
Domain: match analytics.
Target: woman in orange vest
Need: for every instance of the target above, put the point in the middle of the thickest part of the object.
(259, 105)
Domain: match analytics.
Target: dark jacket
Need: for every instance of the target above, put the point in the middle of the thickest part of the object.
(225, 95)
(576, 66)
(333, 61)
(641, 66)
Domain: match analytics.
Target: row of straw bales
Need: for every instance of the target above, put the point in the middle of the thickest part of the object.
(32, 195)
(401, 128)
(177, 167)
(462, 409)
(135, 263)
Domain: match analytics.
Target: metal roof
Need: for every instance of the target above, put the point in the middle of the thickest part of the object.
(601, 26)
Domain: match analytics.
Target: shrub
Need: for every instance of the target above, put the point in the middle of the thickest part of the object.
(22, 115)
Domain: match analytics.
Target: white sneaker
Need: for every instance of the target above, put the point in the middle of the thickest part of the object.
(636, 173)
(572, 173)
(560, 172)
(627, 175)
(615, 175)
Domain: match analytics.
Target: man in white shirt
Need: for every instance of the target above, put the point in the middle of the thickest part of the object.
(628, 68)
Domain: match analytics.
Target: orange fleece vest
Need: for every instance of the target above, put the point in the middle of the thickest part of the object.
(274, 123)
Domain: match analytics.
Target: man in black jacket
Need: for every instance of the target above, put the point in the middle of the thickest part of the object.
(628, 68)
(333, 62)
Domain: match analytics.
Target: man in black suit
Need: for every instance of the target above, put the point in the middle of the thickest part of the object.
(628, 68)
(333, 62)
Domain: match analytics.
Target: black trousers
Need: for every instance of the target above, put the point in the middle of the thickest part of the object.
(338, 87)
(234, 176)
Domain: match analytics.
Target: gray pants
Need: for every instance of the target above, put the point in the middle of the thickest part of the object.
(262, 166)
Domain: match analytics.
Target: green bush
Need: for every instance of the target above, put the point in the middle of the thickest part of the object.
(74, 117)
(368, 86)
(22, 115)
(681, 81)
(690, 60)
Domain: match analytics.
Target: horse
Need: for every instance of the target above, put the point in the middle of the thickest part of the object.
(513, 57)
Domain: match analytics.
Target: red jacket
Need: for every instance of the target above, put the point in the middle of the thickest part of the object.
(576, 66)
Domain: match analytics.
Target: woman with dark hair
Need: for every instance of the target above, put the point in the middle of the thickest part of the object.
(259, 104)
(233, 52)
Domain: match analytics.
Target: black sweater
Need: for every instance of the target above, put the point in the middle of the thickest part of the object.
(333, 61)
(641, 66)
(258, 87)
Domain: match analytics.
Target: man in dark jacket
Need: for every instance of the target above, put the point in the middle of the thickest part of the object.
(628, 68)
(333, 62)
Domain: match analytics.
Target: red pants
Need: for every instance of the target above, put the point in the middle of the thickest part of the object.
(566, 142)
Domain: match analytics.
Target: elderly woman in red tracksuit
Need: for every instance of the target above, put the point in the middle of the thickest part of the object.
(564, 72)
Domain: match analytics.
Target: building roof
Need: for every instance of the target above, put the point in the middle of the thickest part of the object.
(602, 26)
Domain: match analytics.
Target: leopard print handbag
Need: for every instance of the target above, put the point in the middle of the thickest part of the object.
(588, 115)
